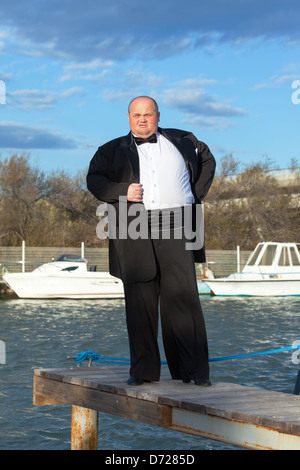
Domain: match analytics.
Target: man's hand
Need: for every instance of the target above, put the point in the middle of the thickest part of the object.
(135, 193)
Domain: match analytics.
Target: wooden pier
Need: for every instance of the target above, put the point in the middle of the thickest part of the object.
(243, 416)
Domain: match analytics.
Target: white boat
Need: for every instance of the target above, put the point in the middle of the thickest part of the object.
(273, 269)
(67, 277)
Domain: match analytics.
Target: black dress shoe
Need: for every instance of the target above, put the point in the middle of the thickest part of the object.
(135, 381)
(202, 382)
(186, 381)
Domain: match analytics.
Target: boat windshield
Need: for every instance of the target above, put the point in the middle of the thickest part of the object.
(284, 259)
(255, 255)
(268, 255)
(295, 257)
(71, 258)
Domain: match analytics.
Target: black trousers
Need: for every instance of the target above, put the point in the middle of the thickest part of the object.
(183, 328)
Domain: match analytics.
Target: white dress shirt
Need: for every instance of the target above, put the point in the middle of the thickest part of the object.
(163, 175)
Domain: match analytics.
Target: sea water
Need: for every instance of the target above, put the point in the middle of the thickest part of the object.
(43, 333)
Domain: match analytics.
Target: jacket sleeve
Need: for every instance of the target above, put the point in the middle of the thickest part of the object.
(99, 178)
(205, 169)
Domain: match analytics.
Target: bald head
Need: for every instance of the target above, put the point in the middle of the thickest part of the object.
(142, 98)
(143, 116)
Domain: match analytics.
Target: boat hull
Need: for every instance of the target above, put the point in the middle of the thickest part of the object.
(71, 286)
(65, 285)
(255, 288)
(203, 288)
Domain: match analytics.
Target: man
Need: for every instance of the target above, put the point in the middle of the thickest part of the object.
(175, 170)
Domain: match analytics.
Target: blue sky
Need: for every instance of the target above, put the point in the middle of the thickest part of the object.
(223, 69)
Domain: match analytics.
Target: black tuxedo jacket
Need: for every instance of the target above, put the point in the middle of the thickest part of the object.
(115, 166)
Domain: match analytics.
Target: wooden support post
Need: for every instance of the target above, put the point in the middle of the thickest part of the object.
(84, 429)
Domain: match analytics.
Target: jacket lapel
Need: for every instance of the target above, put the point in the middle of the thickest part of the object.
(129, 148)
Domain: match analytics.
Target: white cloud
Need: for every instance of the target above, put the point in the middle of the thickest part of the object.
(132, 83)
(144, 80)
(215, 123)
(39, 99)
(198, 106)
(120, 95)
(16, 135)
(93, 70)
(190, 96)
(5, 76)
(276, 80)
(100, 30)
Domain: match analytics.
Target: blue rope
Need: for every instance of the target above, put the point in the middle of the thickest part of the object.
(95, 357)
(272, 351)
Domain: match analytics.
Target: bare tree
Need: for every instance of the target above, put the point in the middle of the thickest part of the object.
(44, 209)
(242, 207)
(248, 207)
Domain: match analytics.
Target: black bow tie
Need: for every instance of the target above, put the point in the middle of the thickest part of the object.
(152, 139)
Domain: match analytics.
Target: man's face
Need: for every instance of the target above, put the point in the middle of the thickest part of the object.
(143, 118)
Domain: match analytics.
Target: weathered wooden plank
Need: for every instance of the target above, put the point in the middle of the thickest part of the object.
(173, 392)
(172, 404)
(133, 408)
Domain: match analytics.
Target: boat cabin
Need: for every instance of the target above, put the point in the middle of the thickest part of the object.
(65, 262)
(270, 255)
